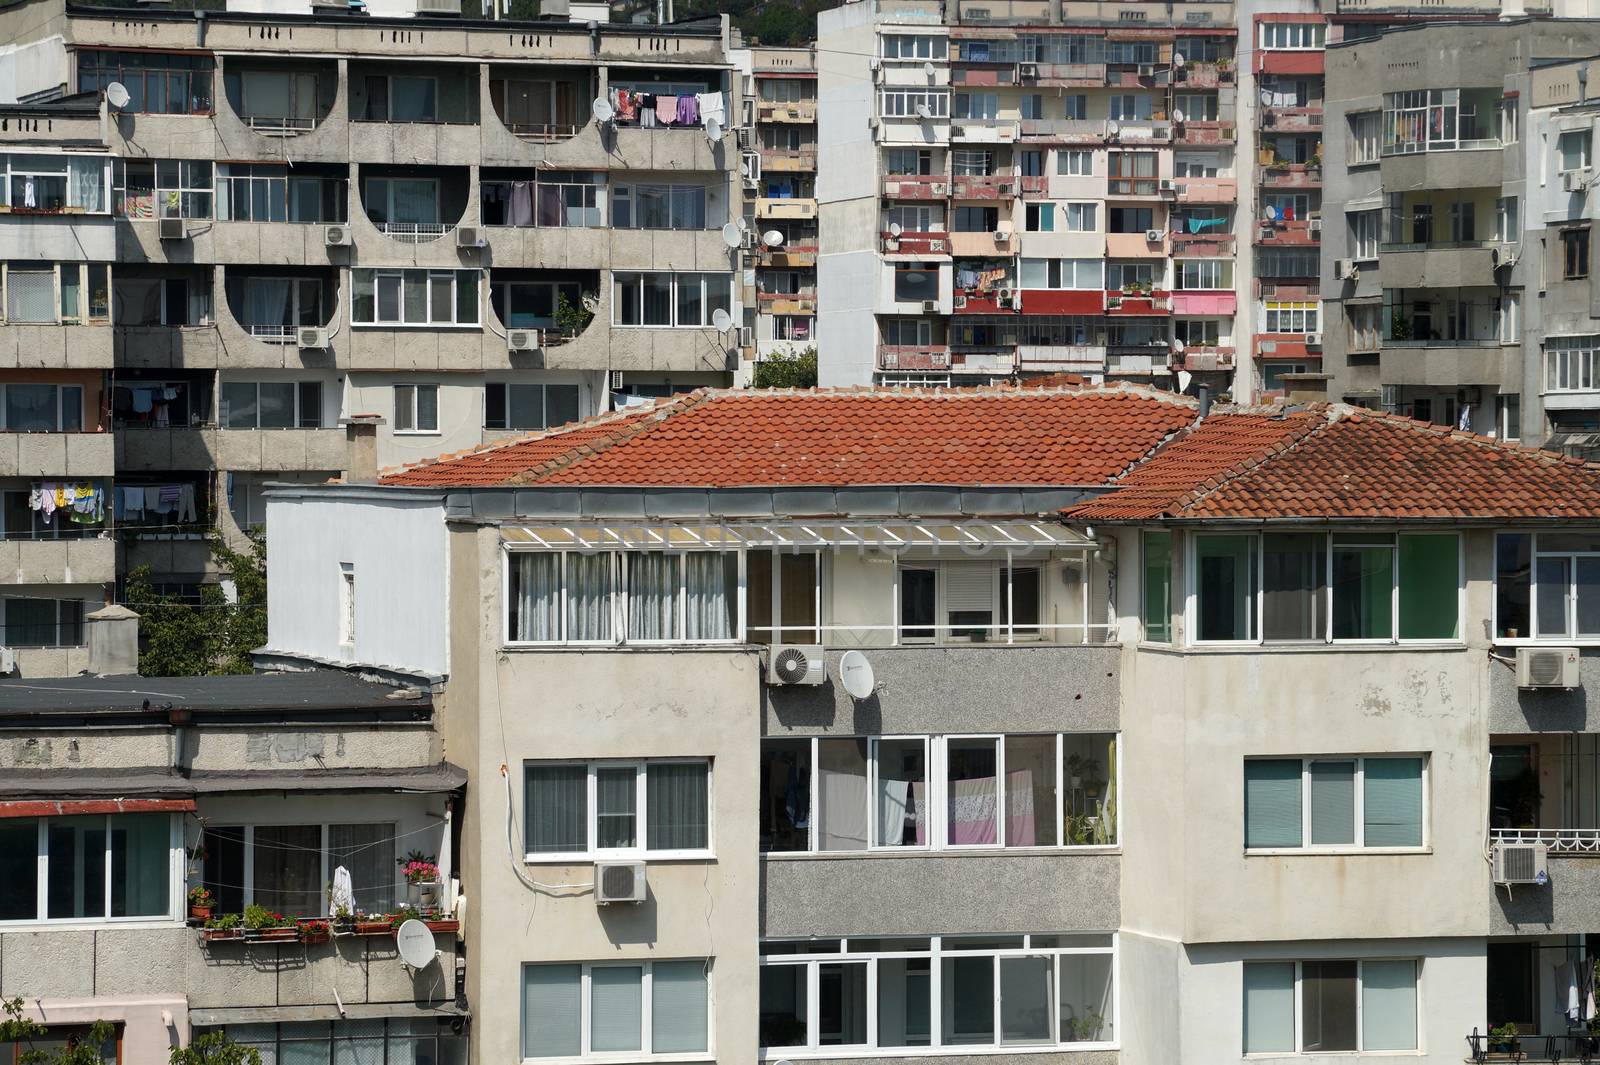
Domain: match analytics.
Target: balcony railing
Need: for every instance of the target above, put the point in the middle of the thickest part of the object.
(1207, 190)
(273, 334)
(1565, 841)
(543, 131)
(415, 232)
(984, 186)
(279, 123)
(913, 357)
(1584, 1049)
(916, 187)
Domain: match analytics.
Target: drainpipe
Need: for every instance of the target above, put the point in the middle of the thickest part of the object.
(1203, 392)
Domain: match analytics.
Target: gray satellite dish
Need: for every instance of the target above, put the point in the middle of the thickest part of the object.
(731, 235)
(721, 320)
(924, 111)
(414, 941)
(1177, 116)
(1271, 213)
(927, 69)
(1112, 127)
(895, 229)
(591, 302)
(855, 673)
(1184, 377)
(713, 130)
(117, 95)
(772, 238)
(1177, 345)
(602, 110)
(1177, 59)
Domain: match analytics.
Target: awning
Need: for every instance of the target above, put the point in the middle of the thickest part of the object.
(889, 534)
(67, 807)
(354, 1011)
(108, 789)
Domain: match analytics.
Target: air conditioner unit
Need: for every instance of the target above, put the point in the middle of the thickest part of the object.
(1005, 188)
(1169, 186)
(1008, 297)
(1027, 70)
(795, 664)
(747, 337)
(1002, 235)
(174, 229)
(1313, 340)
(524, 339)
(1345, 270)
(1521, 863)
(746, 137)
(872, 121)
(311, 339)
(1547, 667)
(1147, 70)
(618, 882)
(336, 236)
(1574, 180)
(614, 381)
(1316, 225)
(930, 306)
(1470, 395)
(468, 237)
(1153, 236)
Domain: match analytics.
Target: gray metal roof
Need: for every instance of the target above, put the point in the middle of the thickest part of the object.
(279, 697)
(162, 782)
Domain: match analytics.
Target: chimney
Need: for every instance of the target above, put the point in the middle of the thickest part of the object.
(361, 431)
(1203, 393)
(113, 642)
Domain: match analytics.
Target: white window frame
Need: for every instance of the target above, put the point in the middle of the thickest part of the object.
(1365, 227)
(1584, 138)
(1569, 359)
(1365, 140)
(379, 273)
(1309, 312)
(678, 279)
(1219, 271)
(1293, 36)
(325, 855)
(14, 163)
(1570, 635)
(62, 406)
(646, 1005)
(416, 388)
(1299, 1020)
(640, 851)
(1074, 162)
(902, 103)
(1358, 808)
(175, 880)
(1081, 216)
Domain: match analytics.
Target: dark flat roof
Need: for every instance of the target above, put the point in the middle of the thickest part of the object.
(280, 698)
(164, 782)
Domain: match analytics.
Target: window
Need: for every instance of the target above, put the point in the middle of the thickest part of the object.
(47, 184)
(1421, 120)
(1198, 332)
(152, 301)
(1575, 253)
(278, 99)
(1031, 106)
(1205, 274)
(1363, 234)
(665, 207)
(1364, 329)
(786, 90)
(912, 218)
(423, 1040)
(158, 83)
(1129, 219)
(1197, 106)
(1510, 121)
(46, 294)
(1039, 217)
(414, 297)
(916, 282)
(1508, 417)
(33, 622)
(416, 408)
(1573, 150)
(640, 596)
(783, 596)
(977, 106)
(287, 867)
(1077, 106)
(1081, 217)
(71, 1040)
(1132, 173)
(28, 408)
(967, 601)
(608, 1008)
(968, 219)
(1293, 36)
(529, 304)
(401, 98)
(1572, 363)
(867, 793)
(1316, 587)
(1074, 163)
(511, 405)
(271, 405)
(347, 604)
(994, 991)
(1547, 586)
(272, 308)
(662, 299)
(1365, 1005)
(908, 162)
(1507, 226)
(1333, 803)
(1129, 106)
(1129, 276)
(1157, 601)
(1281, 317)
(654, 807)
(1364, 142)
(1507, 308)
(1275, 375)
(264, 192)
(574, 199)
(914, 103)
(1196, 166)
(913, 46)
(90, 867)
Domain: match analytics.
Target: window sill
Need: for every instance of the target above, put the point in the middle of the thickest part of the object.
(418, 432)
(1333, 852)
(620, 1059)
(77, 925)
(647, 857)
(894, 853)
(461, 327)
(1317, 647)
(778, 1053)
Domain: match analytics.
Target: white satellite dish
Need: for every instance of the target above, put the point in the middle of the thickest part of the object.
(602, 110)
(414, 941)
(1271, 213)
(1177, 116)
(855, 673)
(713, 130)
(1177, 345)
(1184, 377)
(927, 69)
(924, 111)
(1112, 127)
(1177, 59)
(117, 95)
(721, 320)
(772, 238)
(744, 227)
(731, 235)
(591, 302)
(895, 229)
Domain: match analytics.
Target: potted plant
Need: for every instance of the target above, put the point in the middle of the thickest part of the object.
(314, 930)
(372, 924)
(422, 873)
(343, 922)
(1086, 1029)
(262, 923)
(1503, 1038)
(201, 902)
(223, 927)
(402, 915)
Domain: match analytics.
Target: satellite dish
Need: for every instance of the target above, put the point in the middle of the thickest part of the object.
(1177, 116)
(1177, 345)
(117, 95)
(924, 111)
(721, 320)
(602, 110)
(855, 673)
(591, 302)
(927, 69)
(1177, 59)
(895, 229)
(772, 238)
(415, 943)
(731, 235)
(744, 169)
(1271, 213)
(1112, 127)
(1184, 377)
(713, 130)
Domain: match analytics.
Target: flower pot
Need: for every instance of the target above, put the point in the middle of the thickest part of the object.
(373, 928)
(274, 934)
(315, 932)
(442, 925)
(215, 935)
(200, 913)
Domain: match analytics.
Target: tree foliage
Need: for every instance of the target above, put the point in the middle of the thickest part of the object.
(216, 635)
(20, 1032)
(783, 369)
(215, 1048)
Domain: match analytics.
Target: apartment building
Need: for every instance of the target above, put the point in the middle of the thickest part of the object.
(1461, 247)
(242, 251)
(1028, 187)
(124, 797)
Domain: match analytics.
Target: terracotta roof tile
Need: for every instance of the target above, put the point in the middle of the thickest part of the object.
(819, 437)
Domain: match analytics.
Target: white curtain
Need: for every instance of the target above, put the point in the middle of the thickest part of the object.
(676, 806)
(367, 851)
(589, 597)
(711, 585)
(86, 184)
(266, 301)
(536, 593)
(414, 201)
(652, 595)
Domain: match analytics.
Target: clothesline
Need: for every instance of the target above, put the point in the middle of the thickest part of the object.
(81, 501)
(176, 499)
(654, 110)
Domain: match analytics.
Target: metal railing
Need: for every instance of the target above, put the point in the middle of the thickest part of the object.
(415, 232)
(1557, 840)
(280, 334)
(1580, 1048)
(279, 123)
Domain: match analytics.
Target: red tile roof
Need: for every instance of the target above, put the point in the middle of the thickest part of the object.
(822, 437)
(1332, 462)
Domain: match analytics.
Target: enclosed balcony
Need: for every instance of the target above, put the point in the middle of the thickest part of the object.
(413, 113)
(1445, 240)
(561, 303)
(272, 304)
(54, 422)
(542, 104)
(281, 98)
(415, 204)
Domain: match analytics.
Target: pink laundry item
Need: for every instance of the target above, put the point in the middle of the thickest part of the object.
(666, 109)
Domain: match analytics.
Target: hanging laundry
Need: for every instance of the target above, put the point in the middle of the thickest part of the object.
(186, 503)
(647, 111)
(688, 111)
(132, 501)
(712, 107)
(152, 498)
(627, 106)
(1200, 225)
(666, 109)
(143, 400)
(522, 203)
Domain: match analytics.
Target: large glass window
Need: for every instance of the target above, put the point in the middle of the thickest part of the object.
(292, 864)
(605, 1009)
(1157, 603)
(511, 405)
(168, 83)
(414, 297)
(1344, 1006)
(666, 207)
(1547, 586)
(994, 991)
(53, 184)
(1332, 802)
(670, 596)
(397, 1040)
(663, 299)
(40, 622)
(93, 867)
(608, 808)
(271, 405)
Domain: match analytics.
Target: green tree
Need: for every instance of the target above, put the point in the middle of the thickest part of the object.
(183, 639)
(17, 1030)
(787, 370)
(215, 1048)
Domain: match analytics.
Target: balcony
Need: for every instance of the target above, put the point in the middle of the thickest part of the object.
(916, 187)
(803, 112)
(1002, 12)
(793, 207)
(1439, 265)
(269, 450)
(58, 455)
(1206, 360)
(1071, 75)
(1191, 134)
(917, 243)
(1133, 303)
(984, 187)
(983, 245)
(89, 559)
(1206, 75)
(1299, 233)
(1207, 190)
(1061, 358)
(1203, 245)
(801, 302)
(798, 160)
(913, 356)
(1290, 176)
(984, 130)
(797, 255)
(1292, 119)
